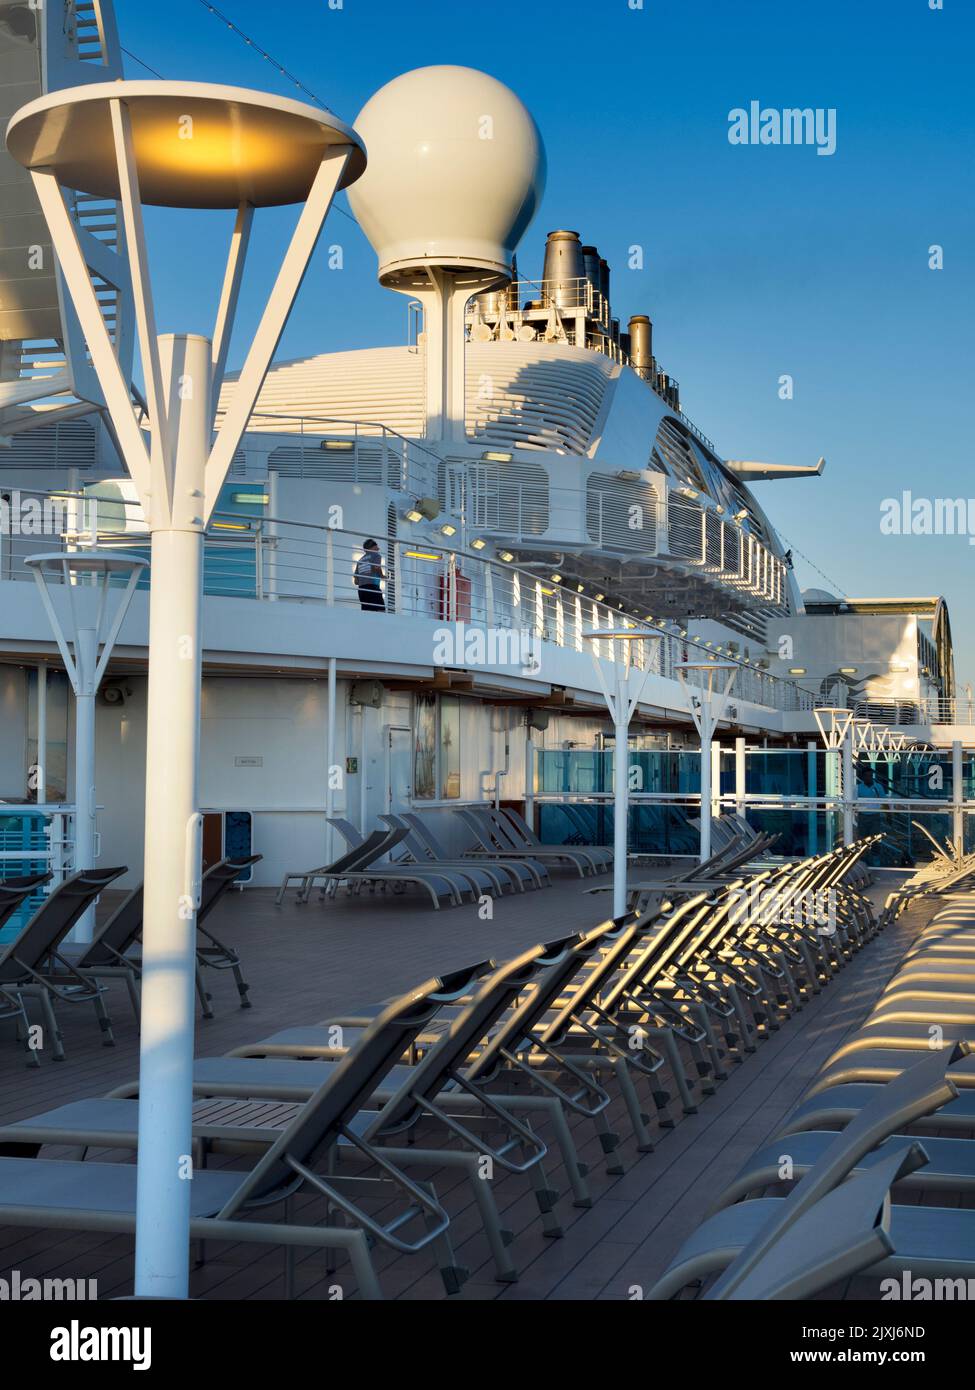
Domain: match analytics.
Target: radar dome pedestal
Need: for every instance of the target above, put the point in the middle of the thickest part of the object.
(456, 171)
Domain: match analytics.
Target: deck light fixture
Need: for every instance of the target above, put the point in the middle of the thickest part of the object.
(85, 629)
(706, 704)
(181, 145)
(478, 543)
(621, 701)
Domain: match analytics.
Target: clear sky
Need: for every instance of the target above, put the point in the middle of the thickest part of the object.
(760, 261)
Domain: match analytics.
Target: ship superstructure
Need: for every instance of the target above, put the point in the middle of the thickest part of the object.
(526, 469)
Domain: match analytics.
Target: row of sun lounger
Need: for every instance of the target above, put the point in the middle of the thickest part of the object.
(504, 856)
(40, 964)
(893, 1106)
(495, 1064)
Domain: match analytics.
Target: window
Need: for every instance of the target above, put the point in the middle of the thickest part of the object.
(436, 747)
(425, 746)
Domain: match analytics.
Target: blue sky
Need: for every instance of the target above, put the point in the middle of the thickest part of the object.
(759, 261)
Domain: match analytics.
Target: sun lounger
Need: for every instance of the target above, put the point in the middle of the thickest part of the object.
(488, 844)
(111, 954)
(496, 832)
(520, 873)
(736, 1238)
(599, 857)
(463, 878)
(844, 1233)
(32, 965)
(361, 867)
(101, 1196)
(437, 1087)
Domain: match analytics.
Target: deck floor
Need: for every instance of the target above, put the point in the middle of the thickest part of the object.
(306, 962)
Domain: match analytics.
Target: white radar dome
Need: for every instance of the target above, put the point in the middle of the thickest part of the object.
(456, 171)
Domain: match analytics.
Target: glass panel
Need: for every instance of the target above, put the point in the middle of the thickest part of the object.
(449, 746)
(425, 746)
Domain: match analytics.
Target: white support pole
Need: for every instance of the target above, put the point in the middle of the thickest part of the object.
(40, 769)
(330, 762)
(621, 719)
(740, 776)
(705, 728)
(173, 837)
(529, 775)
(849, 788)
(812, 847)
(957, 798)
(229, 294)
(363, 789)
(86, 657)
(273, 320)
(715, 780)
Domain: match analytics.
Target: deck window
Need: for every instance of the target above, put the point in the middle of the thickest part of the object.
(436, 747)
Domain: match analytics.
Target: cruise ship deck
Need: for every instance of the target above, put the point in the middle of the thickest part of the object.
(306, 962)
(455, 845)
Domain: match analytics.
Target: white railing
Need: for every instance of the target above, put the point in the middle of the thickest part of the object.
(928, 709)
(373, 452)
(52, 844)
(273, 560)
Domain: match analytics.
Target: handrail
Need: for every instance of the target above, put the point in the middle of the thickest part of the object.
(275, 559)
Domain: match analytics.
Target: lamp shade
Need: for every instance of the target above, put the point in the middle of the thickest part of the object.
(196, 144)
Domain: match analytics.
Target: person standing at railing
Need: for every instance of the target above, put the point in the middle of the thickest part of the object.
(369, 576)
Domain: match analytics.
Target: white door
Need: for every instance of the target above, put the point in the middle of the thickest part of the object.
(399, 768)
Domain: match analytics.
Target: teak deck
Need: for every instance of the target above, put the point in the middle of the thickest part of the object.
(305, 962)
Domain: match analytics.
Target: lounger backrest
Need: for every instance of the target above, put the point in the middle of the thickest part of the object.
(484, 830)
(422, 827)
(345, 1092)
(649, 961)
(52, 921)
(347, 830)
(522, 828)
(917, 1091)
(119, 933)
(373, 847)
(469, 1027)
(589, 950)
(13, 892)
(503, 831)
(411, 842)
(218, 879)
(848, 1230)
(616, 949)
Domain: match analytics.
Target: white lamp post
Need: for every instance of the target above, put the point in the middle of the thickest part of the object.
(707, 705)
(621, 701)
(190, 145)
(85, 641)
(837, 730)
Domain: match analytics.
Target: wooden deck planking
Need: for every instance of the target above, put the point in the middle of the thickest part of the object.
(306, 962)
